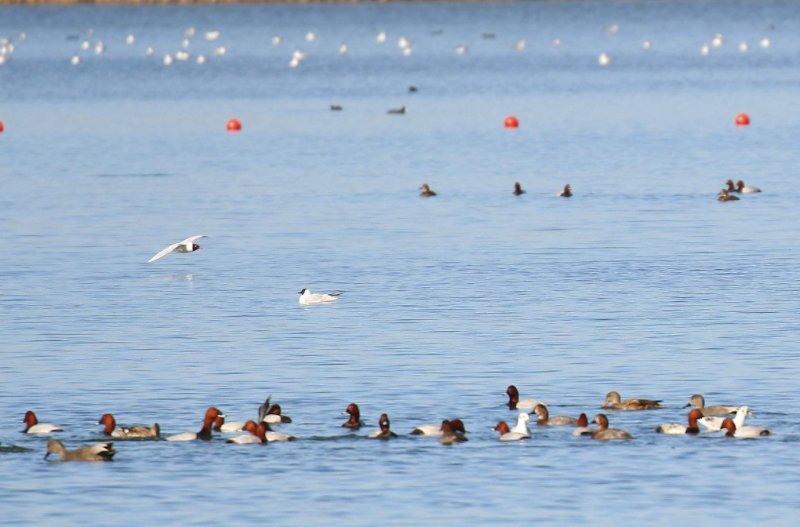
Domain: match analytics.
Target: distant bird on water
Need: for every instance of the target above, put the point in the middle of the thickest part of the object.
(397, 111)
(425, 191)
(567, 192)
(518, 189)
(185, 246)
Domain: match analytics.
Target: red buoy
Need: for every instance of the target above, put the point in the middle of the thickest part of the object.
(234, 125)
(742, 119)
(2, 127)
(511, 122)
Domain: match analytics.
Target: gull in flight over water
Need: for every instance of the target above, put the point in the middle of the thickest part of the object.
(186, 246)
(307, 297)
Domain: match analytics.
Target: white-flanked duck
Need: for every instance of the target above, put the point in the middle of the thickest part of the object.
(436, 430)
(33, 426)
(205, 432)
(383, 432)
(582, 426)
(507, 435)
(514, 402)
(678, 428)
(731, 430)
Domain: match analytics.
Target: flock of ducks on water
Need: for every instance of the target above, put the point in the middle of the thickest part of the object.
(728, 194)
(718, 418)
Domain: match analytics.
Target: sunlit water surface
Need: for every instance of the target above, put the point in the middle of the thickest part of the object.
(642, 282)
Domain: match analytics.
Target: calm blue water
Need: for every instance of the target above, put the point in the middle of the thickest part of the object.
(641, 283)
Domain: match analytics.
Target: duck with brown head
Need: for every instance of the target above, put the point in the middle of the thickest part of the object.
(567, 192)
(604, 433)
(678, 428)
(518, 189)
(33, 426)
(205, 432)
(546, 420)
(514, 402)
(425, 191)
(354, 422)
(128, 432)
(384, 432)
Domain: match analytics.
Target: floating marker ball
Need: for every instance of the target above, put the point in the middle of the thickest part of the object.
(742, 119)
(511, 122)
(234, 125)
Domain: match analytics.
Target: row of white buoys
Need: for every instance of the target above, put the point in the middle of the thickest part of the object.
(717, 41)
(7, 47)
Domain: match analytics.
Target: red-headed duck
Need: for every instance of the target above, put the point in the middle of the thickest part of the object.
(275, 415)
(185, 246)
(205, 432)
(384, 432)
(614, 402)
(582, 426)
(545, 420)
(741, 188)
(354, 421)
(604, 433)
(507, 435)
(567, 192)
(724, 195)
(731, 186)
(436, 430)
(256, 434)
(518, 189)
(731, 430)
(99, 452)
(678, 428)
(128, 432)
(514, 402)
(699, 402)
(452, 432)
(33, 426)
(425, 191)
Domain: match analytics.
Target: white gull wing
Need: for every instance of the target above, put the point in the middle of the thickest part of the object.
(186, 244)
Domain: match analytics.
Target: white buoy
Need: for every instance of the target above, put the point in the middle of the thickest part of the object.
(705, 50)
(99, 47)
(294, 62)
(646, 44)
(186, 43)
(520, 45)
(407, 51)
(556, 43)
(311, 36)
(381, 37)
(613, 28)
(604, 59)
(276, 40)
(85, 45)
(167, 59)
(461, 50)
(717, 41)
(343, 49)
(190, 32)
(182, 55)
(403, 42)
(75, 60)
(130, 39)
(743, 47)
(212, 35)
(201, 59)
(149, 52)
(764, 43)
(220, 51)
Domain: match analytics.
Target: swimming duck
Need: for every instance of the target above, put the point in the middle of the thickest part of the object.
(613, 401)
(741, 188)
(384, 432)
(518, 189)
(699, 402)
(604, 433)
(128, 432)
(678, 428)
(425, 191)
(275, 416)
(567, 192)
(205, 432)
(731, 430)
(515, 404)
(397, 111)
(354, 422)
(99, 452)
(226, 427)
(256, 434)
(33, 426)
(507, 435)
(724, 195)
(582, 426)
(436, 430)
(452, 432)
(545, 419)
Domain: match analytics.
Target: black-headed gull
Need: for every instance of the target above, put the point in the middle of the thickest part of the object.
(185, 246)
(307, 297)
